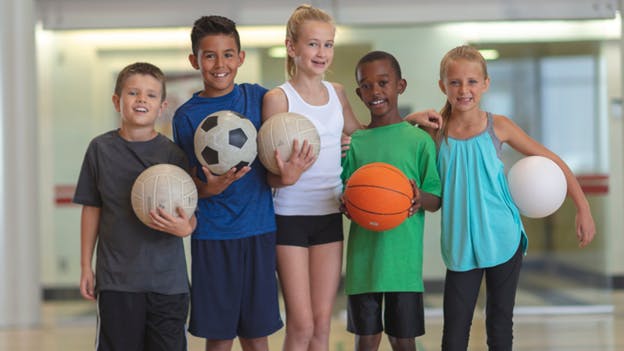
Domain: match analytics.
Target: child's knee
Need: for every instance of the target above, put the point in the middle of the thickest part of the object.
(402, 344)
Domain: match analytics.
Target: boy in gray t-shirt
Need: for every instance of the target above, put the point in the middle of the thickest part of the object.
(140, 281)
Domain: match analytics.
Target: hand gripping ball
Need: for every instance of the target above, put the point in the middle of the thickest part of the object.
(163, 186)
(378, 196)
(225, 139)
(537, 185)
(278, 133)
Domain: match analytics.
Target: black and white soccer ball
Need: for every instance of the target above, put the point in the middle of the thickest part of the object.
(225, 139)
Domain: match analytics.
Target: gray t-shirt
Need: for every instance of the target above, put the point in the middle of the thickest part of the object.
(131, 257)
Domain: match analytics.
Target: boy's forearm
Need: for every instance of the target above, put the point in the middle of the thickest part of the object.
(429, 202)
(88, 235)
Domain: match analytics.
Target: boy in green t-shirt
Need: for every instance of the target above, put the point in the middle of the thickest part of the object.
(386, 267)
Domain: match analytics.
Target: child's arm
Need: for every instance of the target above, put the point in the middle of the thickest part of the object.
(507, 131)
(301, 158)
(351, 123)
(89, 222)
(216, 184)
(429, 120)
(424, 200)
(429, 202)
(180, 225)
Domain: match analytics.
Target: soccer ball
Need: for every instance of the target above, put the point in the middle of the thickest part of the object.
(163, 186)
(225, 139)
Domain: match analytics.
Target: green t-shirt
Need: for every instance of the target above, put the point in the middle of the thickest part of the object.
(390, 261)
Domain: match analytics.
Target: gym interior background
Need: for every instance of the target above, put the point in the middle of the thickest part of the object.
(555, 68)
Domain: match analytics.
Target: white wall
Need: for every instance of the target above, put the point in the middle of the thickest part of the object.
(77, 70)
(19, 207)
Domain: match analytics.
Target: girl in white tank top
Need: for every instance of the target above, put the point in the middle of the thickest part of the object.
(309, 230)
(309, 224)
(318, 189)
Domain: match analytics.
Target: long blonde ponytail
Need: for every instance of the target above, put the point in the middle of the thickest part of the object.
(301, 14)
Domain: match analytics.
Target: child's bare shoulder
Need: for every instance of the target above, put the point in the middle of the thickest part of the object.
(504, 127)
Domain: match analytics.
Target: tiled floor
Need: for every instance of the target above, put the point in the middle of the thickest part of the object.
(69, 326)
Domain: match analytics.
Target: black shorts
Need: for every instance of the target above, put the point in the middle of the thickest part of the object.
(403, 314)
(307, 231)
(141, 321)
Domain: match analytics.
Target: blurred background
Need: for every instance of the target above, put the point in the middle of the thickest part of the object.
(555, 69)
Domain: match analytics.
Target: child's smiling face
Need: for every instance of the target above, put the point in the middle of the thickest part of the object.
(218, 60)
(379, 86)
(141, 101)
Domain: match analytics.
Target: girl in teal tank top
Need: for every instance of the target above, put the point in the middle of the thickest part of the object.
(482, 233)
(478, 231)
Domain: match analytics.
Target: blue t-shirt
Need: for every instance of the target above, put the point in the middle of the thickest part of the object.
(481, 225)
(245, 208)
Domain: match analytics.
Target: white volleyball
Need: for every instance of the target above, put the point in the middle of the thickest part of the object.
(163, 186)
(537, 185)
(279, 132)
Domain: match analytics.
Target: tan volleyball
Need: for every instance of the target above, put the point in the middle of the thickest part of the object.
(279, 132)
(163, 186)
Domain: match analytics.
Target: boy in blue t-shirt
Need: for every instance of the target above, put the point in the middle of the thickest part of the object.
(234, 287)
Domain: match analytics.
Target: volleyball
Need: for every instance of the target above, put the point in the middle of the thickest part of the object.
(278, 133)
(537, 185)
(225, 139)
(378, 196)
(163, 186)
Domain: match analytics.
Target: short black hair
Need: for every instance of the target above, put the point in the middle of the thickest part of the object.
(213, 25)
(380, 55)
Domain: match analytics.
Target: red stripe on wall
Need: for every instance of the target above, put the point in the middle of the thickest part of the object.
(594, 184)
(63, 195)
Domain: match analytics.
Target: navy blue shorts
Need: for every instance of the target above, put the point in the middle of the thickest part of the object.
(234, 288)
(307, 231)
(403, 314)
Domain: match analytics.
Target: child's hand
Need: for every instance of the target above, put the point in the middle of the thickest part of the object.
(427, 119)
(343, 208)
(299, 161)
(585, 228)
(416, 201)
(216, 184)
(179, 225)
(87, 284)
(345, 143)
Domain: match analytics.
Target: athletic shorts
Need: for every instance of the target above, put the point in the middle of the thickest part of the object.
(307, 231)
(403, 314)
(141, 321)
(234, 288)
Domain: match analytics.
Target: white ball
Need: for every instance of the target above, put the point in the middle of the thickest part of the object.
(225, 139)
(278, 133)
(537, 185)
(163, 186)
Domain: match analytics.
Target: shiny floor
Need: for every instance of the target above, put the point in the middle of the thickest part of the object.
(70, 326)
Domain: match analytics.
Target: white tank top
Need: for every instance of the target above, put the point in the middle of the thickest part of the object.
(318, 190)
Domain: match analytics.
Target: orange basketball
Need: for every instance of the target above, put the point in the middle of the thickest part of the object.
(378, 196)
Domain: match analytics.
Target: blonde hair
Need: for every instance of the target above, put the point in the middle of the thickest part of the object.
(464, 52)
(301, 14)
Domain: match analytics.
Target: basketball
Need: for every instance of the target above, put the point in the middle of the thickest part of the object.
(278, 133)
(163, 186)
(537, 185)
(378, 196)
(225, 139)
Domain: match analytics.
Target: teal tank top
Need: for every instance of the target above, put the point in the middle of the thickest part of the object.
(481, 225)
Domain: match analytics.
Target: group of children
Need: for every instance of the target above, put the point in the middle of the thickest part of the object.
(251, 223)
